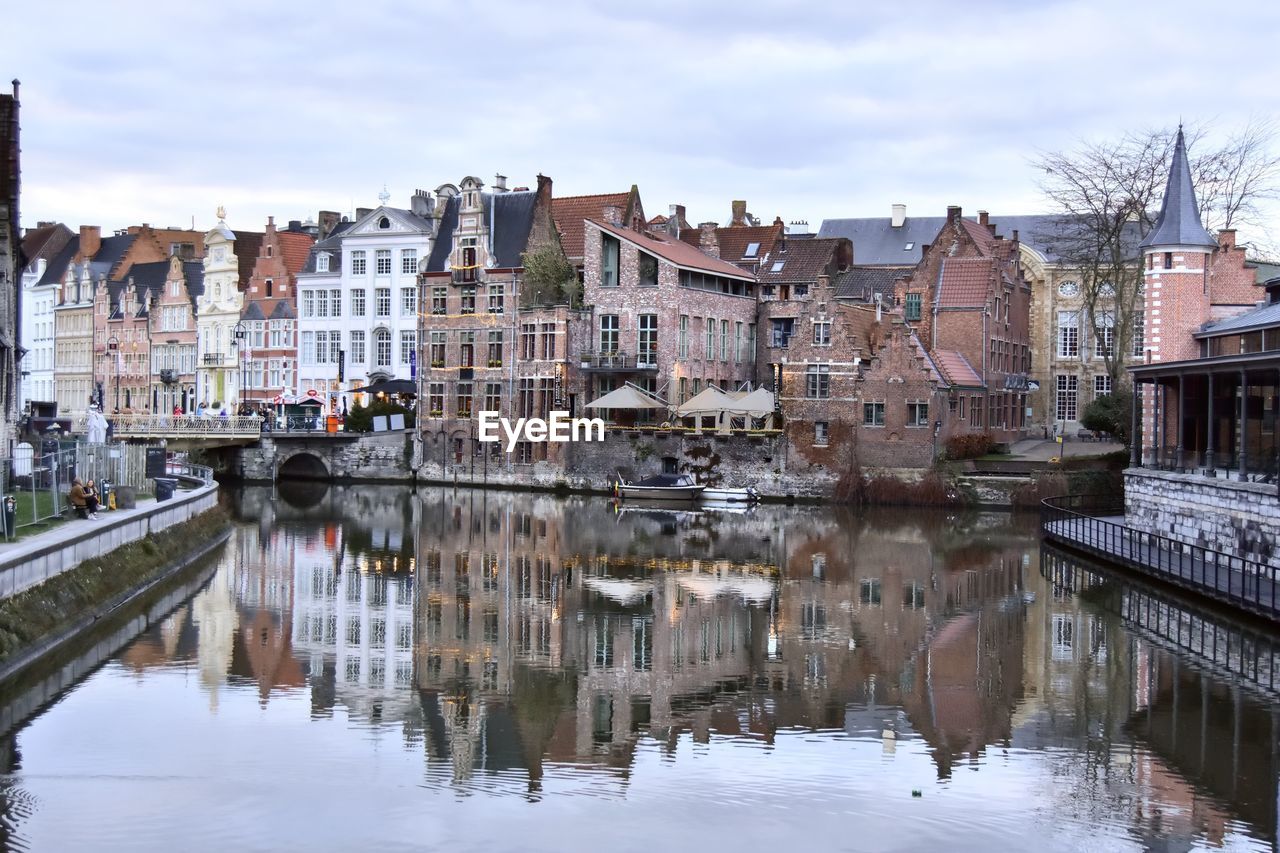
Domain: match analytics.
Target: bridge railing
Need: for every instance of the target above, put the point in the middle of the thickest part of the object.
(188, 470)
(178, 426)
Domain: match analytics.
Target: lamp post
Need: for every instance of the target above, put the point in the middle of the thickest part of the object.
(242, 350)
(113, 347)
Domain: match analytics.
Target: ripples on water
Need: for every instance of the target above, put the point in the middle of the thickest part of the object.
(485, 671)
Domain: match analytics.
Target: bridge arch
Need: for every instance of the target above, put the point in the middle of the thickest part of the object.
(304, 466)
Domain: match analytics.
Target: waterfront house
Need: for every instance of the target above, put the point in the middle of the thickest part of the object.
(228, 264)
(172, 331)
(358, 300)
(270, 316)
(41, 246)
(1205, 463)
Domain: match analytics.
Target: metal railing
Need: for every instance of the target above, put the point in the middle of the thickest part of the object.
(169, 426)
(1259, 468)
(177, 467)
(617, 361)
(1089, 523)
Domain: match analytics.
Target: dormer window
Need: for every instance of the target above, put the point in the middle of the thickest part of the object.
(322, 262)
(384, 223)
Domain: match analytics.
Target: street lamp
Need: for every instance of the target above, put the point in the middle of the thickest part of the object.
(242, 351)
(113, 346)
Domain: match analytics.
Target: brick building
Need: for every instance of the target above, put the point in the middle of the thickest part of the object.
(122, 339)
(968, 296)
(173, 336)
(570, 212)
(483, 348)
(270, 315)
(664, 315)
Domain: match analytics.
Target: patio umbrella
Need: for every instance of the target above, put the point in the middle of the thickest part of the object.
(627, 397)
(758, 403)
(709, 401)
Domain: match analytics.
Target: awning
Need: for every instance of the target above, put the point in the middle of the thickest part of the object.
(758, 403)
(627, 397)
(389, 386)
(709, 401)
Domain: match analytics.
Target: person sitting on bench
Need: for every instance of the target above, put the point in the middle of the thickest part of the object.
(78, 500)
(91, 499)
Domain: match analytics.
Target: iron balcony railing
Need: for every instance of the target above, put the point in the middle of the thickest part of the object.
(617, 361)
(1095, 524)
(215, 358)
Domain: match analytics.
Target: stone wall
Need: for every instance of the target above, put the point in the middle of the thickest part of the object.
(355, 456)
(26, 564)
(1241, 519)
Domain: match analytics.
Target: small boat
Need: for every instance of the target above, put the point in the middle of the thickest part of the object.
(746, 495)
(662, 487)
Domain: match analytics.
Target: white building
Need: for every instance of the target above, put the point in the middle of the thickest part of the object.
(358, 300)
(228, 262)
(40, 245)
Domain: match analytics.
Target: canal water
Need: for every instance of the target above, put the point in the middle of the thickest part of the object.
(373, 668)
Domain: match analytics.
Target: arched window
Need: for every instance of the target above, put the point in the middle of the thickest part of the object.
(384, 223)
(382, 347)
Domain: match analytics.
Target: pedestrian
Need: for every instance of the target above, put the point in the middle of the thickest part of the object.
(91, 499)
(200, 410)
(78, 499)
(177, 411)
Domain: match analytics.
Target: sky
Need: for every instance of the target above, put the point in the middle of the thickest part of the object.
(135, 113)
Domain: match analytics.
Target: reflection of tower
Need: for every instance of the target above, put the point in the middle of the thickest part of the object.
(214, 613)
(463, 719)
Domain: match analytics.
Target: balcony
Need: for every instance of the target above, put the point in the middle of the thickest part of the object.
(617, 362)
(215, 359)
(168, 376)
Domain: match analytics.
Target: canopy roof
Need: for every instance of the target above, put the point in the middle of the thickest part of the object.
(713, 401)
(709, 401)
(627, 397)
(388, 386)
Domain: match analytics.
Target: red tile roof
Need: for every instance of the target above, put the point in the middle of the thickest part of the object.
(955, 369)
(965, 282)
(735, 239)
(980, 234)
(294, 247)
(569, 211)
(675, 251)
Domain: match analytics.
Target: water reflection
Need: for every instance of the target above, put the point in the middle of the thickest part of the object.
(704, 669)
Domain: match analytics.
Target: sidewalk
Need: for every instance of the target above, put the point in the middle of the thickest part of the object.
(1040, 450)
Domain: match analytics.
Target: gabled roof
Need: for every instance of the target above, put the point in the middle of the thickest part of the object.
(147, 276)
(734, 240)
(193, 273)
(294, 248)
(799, 261)
(675, 252)
(110, 253)
(965, 282)
(253, 311)
(511, 217)
(247, 247)
(44, 242)
(1179, 223)
(956, 370)
(570, 211)
(877, 243)
(57, 266)
(863, 283)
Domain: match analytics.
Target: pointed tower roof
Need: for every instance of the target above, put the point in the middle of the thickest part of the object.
(1179, 222)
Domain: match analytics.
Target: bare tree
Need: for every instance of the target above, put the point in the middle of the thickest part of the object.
(1107, 196)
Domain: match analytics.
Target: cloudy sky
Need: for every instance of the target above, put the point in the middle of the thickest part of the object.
(136, 113)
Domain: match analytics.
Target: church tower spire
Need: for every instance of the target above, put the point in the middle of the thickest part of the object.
(1179, 223)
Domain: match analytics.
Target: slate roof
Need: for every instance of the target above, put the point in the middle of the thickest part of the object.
(802, 261)
(57, 265)
(110, 253)
(1264, 316)
(193, 272)
(676, 252)
(956, 370)
(44, 242)
(284, 311)
(877, 243)
(253, 311)
(863, 283)
(1179, 222)
(332, 245)
(512, 220)
(1264, 271)
(570, 211)
(965, 282)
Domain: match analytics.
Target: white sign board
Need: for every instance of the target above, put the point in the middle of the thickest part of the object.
(380, 423)
(397, 421)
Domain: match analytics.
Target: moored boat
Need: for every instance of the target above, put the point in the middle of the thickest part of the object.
(730, 495)
(663, 487)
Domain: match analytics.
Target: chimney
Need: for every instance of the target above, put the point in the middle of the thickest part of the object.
(90, 241)
(1227, 238)
(899, 215)
(707, 241)
(329, 220)
(421, 203)
(612, 215)
(499, 183)
(295, 225)
(799, 228)
(824, 281)
(362, 212)
(739, 214)
(953, 213)
(544, 192)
